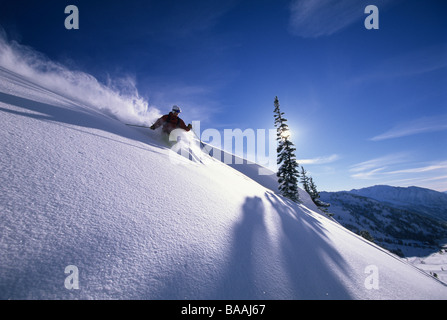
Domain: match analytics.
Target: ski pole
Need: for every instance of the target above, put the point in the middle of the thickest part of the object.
(197, 136)
(135, 125)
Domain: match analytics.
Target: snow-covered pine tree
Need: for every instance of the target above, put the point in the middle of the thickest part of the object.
(287, 172)
(314, 194)
(304, 179)
(309, 185)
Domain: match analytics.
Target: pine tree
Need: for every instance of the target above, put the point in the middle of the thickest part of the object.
(314, 194)
(304, 180)
(309, 185)
(287, 172)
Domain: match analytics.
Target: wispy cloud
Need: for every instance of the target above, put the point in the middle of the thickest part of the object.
(421, 125)
(436, 166)
(396, 169)
(320, 160)
(379, 168)
(369, 167)
(368, 174)
(317, 18)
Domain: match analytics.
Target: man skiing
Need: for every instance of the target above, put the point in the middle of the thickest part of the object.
(171, 121)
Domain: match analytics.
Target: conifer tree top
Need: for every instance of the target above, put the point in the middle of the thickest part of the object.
(287, 172)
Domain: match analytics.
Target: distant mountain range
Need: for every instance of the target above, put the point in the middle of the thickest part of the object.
(407, 221)
(429, 202)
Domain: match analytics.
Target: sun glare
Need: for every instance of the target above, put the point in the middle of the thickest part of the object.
(286, 134)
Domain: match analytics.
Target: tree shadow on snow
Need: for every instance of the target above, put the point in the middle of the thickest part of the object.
(301, 265)
(239, 281)
(314, 265)
(279, 254)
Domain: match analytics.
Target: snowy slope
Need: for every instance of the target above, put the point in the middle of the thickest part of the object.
(81, 189)
(434, 264)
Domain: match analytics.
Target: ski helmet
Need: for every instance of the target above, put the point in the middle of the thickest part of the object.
(175, 108)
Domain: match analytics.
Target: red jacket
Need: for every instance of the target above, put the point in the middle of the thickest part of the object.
(170, 122)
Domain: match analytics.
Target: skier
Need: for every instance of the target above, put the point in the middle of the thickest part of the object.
(171, 121)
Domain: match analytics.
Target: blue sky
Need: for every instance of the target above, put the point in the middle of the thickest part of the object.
(365, 107)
